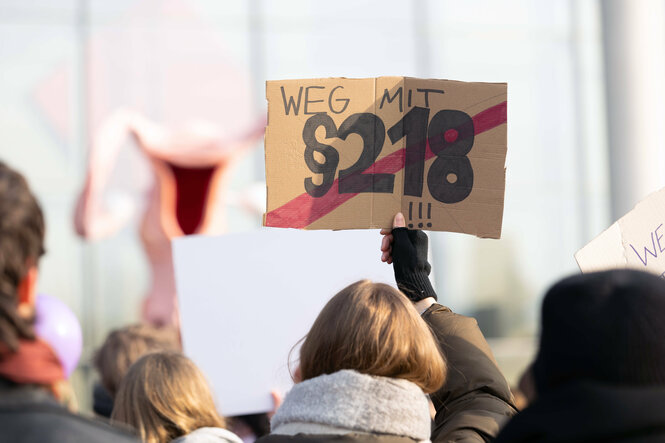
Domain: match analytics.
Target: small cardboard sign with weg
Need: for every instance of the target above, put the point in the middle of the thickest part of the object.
(636, 240)
(351, 153)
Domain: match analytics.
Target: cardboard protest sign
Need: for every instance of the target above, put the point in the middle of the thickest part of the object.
(636, 240)
(246, 299)
(351, 153)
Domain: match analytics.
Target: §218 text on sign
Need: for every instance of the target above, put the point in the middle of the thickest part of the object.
(412, 139)
(450, 136)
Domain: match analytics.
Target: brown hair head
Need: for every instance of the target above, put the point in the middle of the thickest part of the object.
(124, 346)
(165, 396)
(21, 245)
(373, 329)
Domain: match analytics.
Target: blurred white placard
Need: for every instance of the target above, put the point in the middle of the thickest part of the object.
(246, 299)
(636, 240)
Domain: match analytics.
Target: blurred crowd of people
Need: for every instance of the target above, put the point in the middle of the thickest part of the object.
(378, 365)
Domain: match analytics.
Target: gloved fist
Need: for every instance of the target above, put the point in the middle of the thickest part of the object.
(407, 250)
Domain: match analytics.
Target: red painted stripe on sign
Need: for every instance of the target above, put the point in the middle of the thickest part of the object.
(305, 209)
(490, 118)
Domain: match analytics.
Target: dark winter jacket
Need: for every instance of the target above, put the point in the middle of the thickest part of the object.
(591, 412)
(475, 400)
(30, 414)
(599, 372)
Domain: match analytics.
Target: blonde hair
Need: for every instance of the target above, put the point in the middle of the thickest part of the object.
(165, 396)
(373, 329)
(124, 346)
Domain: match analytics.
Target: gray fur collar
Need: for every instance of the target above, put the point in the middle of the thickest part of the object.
(356, 403)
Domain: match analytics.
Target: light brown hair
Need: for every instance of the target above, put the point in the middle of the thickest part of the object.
(124, 346)
(165, 396)
(372, 328)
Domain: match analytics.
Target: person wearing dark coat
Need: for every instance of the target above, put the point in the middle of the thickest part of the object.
(364, 369)
(475, 401)
(599, 372)
(471, 405)
(30, 372)
(30, 413)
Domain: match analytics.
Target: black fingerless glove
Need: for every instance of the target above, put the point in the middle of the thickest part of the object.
(409, 252)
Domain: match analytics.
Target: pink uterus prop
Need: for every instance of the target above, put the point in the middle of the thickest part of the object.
(191, 167)
(167, 60)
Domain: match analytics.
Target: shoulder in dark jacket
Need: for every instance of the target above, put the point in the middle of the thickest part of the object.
(591, 411)
(28, 414)
(476, 400)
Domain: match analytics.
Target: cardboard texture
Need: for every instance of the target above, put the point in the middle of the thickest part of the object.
(636, 240)
(351, 153)
(246, 299)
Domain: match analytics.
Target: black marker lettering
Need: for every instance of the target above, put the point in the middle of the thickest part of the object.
(426, 91)
(328, 167)
(308, 101)
(345, 100)
(373, 132)
(450, 135)
(413, 126)
(386, 96)
(292, 102)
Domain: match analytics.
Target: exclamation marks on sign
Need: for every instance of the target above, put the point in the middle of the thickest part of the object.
(420, 215)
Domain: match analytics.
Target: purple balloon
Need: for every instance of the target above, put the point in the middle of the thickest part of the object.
(56, 324)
